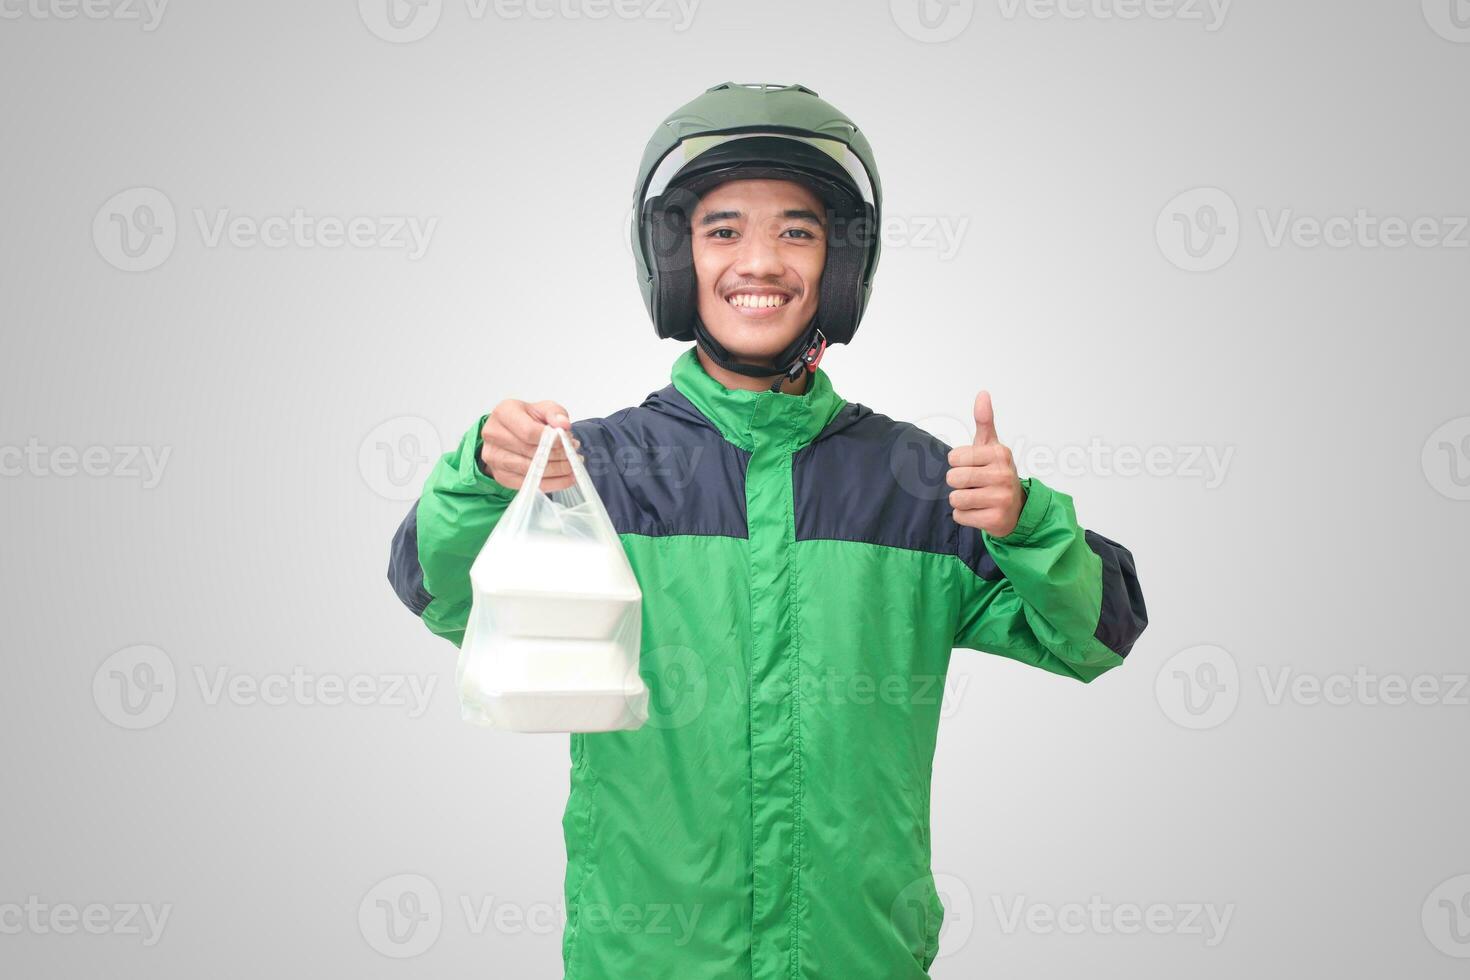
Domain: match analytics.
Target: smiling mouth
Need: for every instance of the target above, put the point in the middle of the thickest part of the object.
(751, 303)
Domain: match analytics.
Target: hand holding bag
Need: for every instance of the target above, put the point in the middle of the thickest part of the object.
(555, 621)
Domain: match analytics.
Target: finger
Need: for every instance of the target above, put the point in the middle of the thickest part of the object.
(988, 519)
(978, 476)
(979, 498)
(504, 461)
(517, 419)
(520, 466)
(985, 421)
(527, 423)
(978, 455)
(550, 413)
(553, 414)
(494, 463)
(500, 434)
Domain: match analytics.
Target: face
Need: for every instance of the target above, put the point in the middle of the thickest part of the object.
(759, 247)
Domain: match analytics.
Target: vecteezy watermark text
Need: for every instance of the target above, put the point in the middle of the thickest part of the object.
(148, 13)
(1363, 229)
(682, 686)
(38, 918)
(310, 689)
(1209, 13)
(1201, 229)
(1098, 917)
(136, 230)
(137, 687)
(1363, 686)
(1208, 464)
(404, 232)
(936, 21)
(403, 915)
(1201, 686)
(406, 21)
(35, 459)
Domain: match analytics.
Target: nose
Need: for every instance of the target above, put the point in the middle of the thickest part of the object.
(758, 258)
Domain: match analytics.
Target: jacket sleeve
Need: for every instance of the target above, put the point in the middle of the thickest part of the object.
(1062, 598)
(429, 565)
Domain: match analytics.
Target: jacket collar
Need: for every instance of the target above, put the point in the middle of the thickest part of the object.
(748, 418)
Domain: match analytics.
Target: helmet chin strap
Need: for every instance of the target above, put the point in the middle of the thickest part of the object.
(802, 355)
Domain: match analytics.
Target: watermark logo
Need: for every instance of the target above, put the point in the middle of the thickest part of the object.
(676, 465)
(678, 686)
(920, 467)
(678, 12)
(1446, 459)
(959, 913)
(136, 687)
(1446, 917)
(396, 457)
(148, 13)
(1206, 920)
(36, 459)
(307, 689)
(135, 230)
(1362, 229)
(1363, 687)
(920, 473)
(400, 21)
(1209, 13)
(1450, 19)
(932, 21)
(37, 918)
(1207, 464)
(1199, 687)
(409, 234)
(406, 21)
(674, 924)
(682, 686)
(942, 234)
(401, 916)
(1199, 230)
(940, 907)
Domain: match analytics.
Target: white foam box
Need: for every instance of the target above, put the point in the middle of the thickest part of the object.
(591, 710)
(557, 589)
(516, 663)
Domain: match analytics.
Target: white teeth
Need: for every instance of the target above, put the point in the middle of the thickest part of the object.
(756, 302)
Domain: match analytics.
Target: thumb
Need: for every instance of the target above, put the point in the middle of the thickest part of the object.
(985, 421)
(550, 413)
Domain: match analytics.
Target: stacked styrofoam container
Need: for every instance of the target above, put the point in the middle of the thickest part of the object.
(553, 636)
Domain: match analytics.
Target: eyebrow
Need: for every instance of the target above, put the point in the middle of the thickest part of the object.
(798, 214)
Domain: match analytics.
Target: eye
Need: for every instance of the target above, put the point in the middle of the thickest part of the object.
(724, 233)
(800, 233)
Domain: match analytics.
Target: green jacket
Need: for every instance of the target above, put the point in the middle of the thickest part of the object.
(803, 587)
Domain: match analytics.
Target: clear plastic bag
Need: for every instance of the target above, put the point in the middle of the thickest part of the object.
(556, 615)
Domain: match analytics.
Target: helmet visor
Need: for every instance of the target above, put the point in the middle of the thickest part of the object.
(689, 152)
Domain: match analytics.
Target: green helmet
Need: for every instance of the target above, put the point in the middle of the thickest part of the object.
(736, 131)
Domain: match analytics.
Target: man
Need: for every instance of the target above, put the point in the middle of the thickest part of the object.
(772, 817)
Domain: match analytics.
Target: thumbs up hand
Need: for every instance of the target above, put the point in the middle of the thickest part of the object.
(988, 493)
